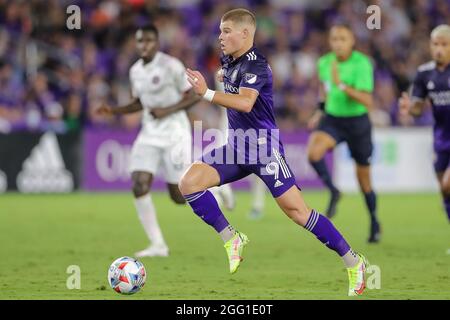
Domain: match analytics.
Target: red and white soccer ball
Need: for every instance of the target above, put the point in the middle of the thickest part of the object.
(127, 275)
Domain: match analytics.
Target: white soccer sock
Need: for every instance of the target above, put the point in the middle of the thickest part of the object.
(351, 259)
(258, 194)
(227, 233)
(147, 215)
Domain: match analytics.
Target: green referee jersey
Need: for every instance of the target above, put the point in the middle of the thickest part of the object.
(356, 72)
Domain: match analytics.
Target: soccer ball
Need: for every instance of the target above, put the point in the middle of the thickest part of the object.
(126, 275)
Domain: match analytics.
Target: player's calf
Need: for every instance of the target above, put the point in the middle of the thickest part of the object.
(292, 203)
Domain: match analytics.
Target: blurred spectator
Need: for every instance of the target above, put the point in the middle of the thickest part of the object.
(53, 78)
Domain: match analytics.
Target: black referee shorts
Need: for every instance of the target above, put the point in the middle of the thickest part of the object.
(356, 131)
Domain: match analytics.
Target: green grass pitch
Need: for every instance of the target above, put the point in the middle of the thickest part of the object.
(41, 235)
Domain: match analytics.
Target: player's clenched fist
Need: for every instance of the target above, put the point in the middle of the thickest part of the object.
(197, 81)
(404, 104)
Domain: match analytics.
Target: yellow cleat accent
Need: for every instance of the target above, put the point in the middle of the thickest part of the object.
(234, 248)
(356, 277)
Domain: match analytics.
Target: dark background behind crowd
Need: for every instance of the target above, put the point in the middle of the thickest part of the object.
(53, 78)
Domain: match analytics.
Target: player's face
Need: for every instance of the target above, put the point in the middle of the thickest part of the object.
(341, 41)
(146, 43)
(440, 49)
(231, 37)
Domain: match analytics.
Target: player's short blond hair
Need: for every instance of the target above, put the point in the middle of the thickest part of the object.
(441, 30)
(240, 15)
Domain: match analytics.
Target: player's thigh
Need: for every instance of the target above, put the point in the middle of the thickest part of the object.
(364, 179)
(144, 163)
(319, 143)
(217, 167)
(294, 206)
(145, 158)
(359, 141)
(176, 159)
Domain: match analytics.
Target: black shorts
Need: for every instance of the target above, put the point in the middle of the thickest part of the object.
(356, 131)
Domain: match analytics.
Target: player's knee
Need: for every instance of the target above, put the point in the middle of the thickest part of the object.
(188, 183)
(193, 180)
(140, 187)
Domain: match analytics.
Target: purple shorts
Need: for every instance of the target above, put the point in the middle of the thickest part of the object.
(274, 170)
(442, 161)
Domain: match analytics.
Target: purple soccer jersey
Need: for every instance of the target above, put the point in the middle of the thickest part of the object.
(252, 71)
(253, 141)
(435, 84)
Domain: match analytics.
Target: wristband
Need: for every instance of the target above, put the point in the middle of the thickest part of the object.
(209, 95)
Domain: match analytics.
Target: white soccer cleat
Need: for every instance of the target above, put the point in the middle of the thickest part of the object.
(153, 251)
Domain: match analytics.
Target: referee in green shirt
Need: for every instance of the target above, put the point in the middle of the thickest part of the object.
(346, 85)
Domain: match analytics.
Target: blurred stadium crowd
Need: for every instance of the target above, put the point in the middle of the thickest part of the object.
(53, 78)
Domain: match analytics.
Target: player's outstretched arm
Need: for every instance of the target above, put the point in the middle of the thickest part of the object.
(189, 99)
(134, 106)
(242, 102)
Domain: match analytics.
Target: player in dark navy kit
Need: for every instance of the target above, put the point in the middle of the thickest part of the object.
(253, 147)
(433, 82)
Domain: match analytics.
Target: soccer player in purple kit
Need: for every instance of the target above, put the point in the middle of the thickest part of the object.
(432, 81)
(248, 98)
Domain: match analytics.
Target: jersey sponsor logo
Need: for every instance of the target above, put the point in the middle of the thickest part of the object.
(251, 56)
(440, 98)
(430, 85)
(231, 89)
(44, 169)
(250, 78)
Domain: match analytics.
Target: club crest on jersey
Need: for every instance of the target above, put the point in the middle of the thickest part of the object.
(250, 78)
(155, 80)
(234, 76)
(430, 85)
